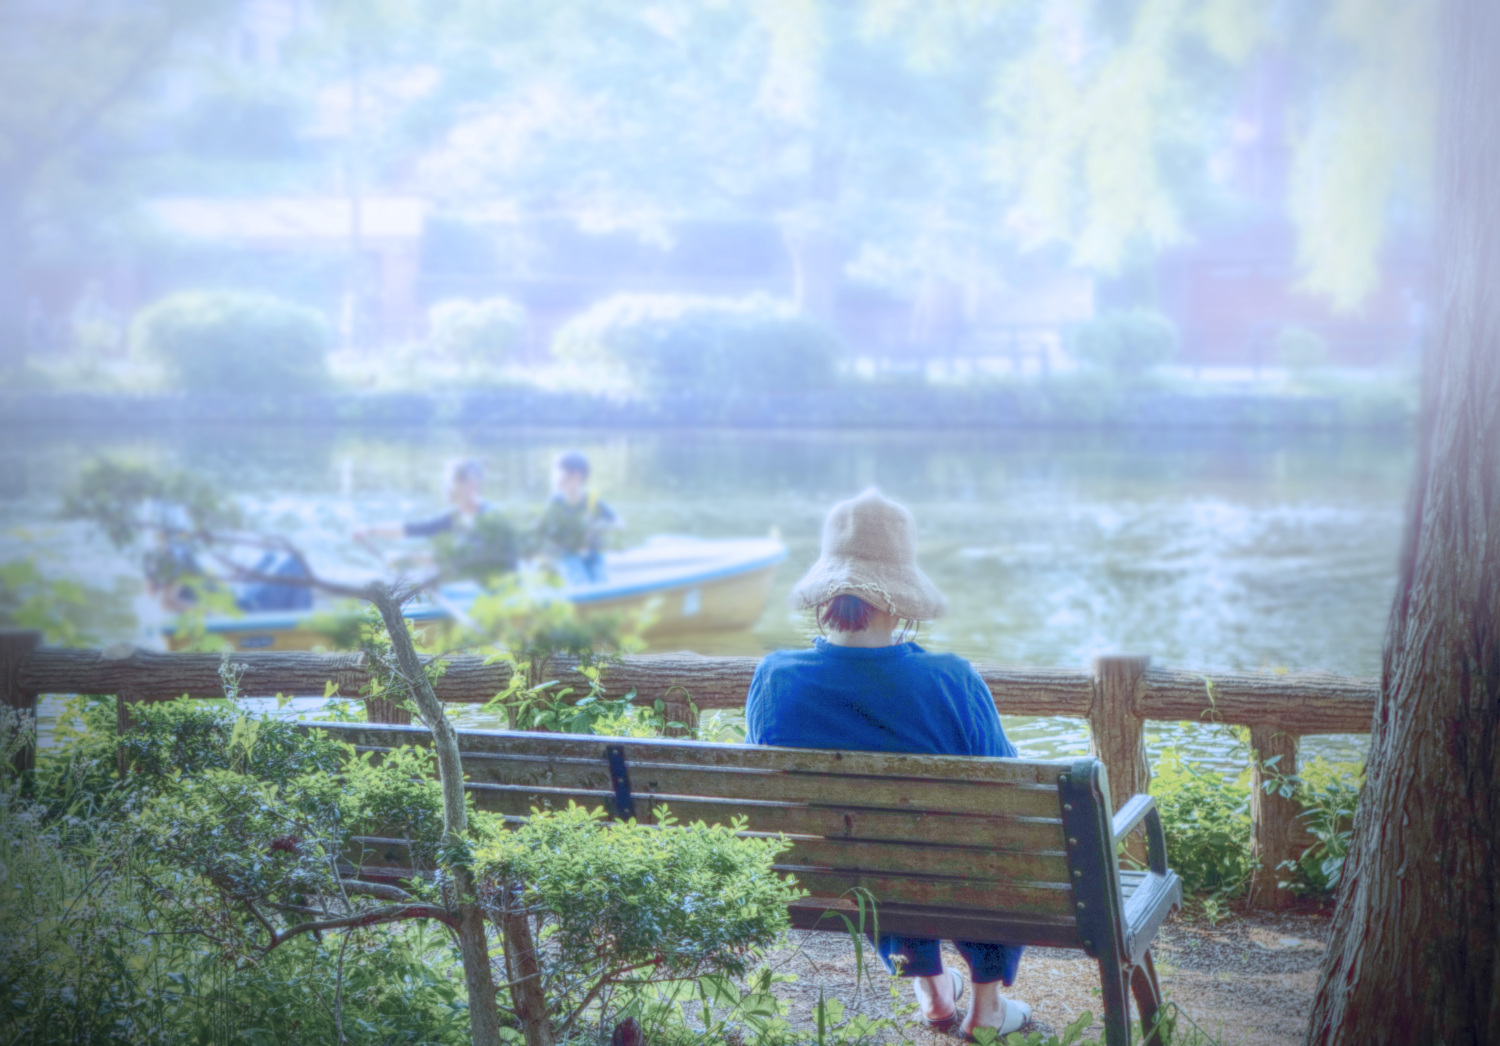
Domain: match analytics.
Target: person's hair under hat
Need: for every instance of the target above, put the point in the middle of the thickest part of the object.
(573, 461)
(464, 470)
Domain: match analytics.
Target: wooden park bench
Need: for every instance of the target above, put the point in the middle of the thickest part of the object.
(1009, 850)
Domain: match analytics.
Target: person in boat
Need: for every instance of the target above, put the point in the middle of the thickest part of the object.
(576, 522)
(463, 481)
(861, 687)
(173, 574)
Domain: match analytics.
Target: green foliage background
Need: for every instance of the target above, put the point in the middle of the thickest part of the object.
(232, 341)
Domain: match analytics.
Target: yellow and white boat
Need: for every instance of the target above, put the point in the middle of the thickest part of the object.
(683, 585)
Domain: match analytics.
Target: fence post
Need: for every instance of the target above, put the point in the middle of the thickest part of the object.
(377, 709)
(1273, 817)
(385, 710)
(1117, 733)
(679, 708)
(15, 644)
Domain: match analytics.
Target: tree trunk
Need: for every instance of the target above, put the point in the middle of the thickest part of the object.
(1415, 953)
(816, 257)
(12, 270)
(484, 1016)
(523, 963)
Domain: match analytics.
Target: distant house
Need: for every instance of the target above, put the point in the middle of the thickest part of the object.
(379, 305)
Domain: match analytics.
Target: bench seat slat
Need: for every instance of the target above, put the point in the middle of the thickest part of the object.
(889, 888)
(947, 923)
(705, 754)
(960, 863)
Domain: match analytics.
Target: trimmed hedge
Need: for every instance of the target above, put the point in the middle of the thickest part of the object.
(482, 332)
(669, 344)
(1127, 343)
(229, 341)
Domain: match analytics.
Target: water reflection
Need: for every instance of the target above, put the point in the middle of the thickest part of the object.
(1215, 553)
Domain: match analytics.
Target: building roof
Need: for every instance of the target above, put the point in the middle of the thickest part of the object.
(290, 218)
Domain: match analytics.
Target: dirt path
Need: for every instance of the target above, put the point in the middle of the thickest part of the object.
(1248, 981)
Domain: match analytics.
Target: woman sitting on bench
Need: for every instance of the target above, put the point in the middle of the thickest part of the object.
(861, 688)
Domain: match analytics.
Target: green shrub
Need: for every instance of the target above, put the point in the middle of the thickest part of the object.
(1207, 823)
(226, 341)
(1126, 343)
(678, 344)
(1300, 351)
(664, 902)
(1328, 793)
(476, 332)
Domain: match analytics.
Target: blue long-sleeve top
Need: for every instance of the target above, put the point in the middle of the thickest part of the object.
(873, 699)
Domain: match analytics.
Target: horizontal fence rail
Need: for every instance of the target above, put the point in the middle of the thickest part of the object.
(1116, 699)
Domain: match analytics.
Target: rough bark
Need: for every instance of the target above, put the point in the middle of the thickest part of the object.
(479, 977)
(1305, 703)
(1116, 727)
(1117, 734)
(12, 290)
(14, 646)
(527, 997)
(1274, 838)
(1415, 952)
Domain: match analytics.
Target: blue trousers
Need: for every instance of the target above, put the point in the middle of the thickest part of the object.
(919, 957)
(582, 568)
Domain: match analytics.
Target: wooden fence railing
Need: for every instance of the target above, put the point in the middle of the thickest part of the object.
(1116, 699)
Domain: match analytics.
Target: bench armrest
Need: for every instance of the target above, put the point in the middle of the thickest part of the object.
(1137, 809)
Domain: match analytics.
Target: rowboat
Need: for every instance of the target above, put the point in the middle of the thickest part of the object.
(678, 585)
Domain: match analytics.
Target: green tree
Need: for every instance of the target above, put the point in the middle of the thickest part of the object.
(76, 78)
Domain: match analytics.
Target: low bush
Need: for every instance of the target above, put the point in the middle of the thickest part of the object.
(624, 906)
(1207, 823)
(1300, 350)
(227, 341)
(1206, 816)
(666, 345)
(1127, 344)
(482, 333)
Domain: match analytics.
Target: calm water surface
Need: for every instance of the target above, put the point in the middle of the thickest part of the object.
(1210, 552)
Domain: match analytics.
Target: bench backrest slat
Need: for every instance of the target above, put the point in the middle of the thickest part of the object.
(938, 833)
(832, 820)
(704, 754)
(655, 779)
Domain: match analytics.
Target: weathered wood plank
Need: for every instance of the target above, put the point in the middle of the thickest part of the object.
(1117, 732)
(151, 675)
(15, 646)
(995, 833)
(1302, 703)
(1272, 816)
(847, 857)
(1305, 703)
(1033, 900)
(1058, 931)
(855, 857)
(666, 780)
(486, 744)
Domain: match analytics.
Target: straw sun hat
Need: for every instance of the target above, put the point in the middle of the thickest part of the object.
(870, 551)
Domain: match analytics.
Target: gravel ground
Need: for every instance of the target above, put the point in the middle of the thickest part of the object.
(1248, 981)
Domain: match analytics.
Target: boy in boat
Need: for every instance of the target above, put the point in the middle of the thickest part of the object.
(464, 479)
(574, 524)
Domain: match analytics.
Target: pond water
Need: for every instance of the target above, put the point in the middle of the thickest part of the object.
(1206, 551)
